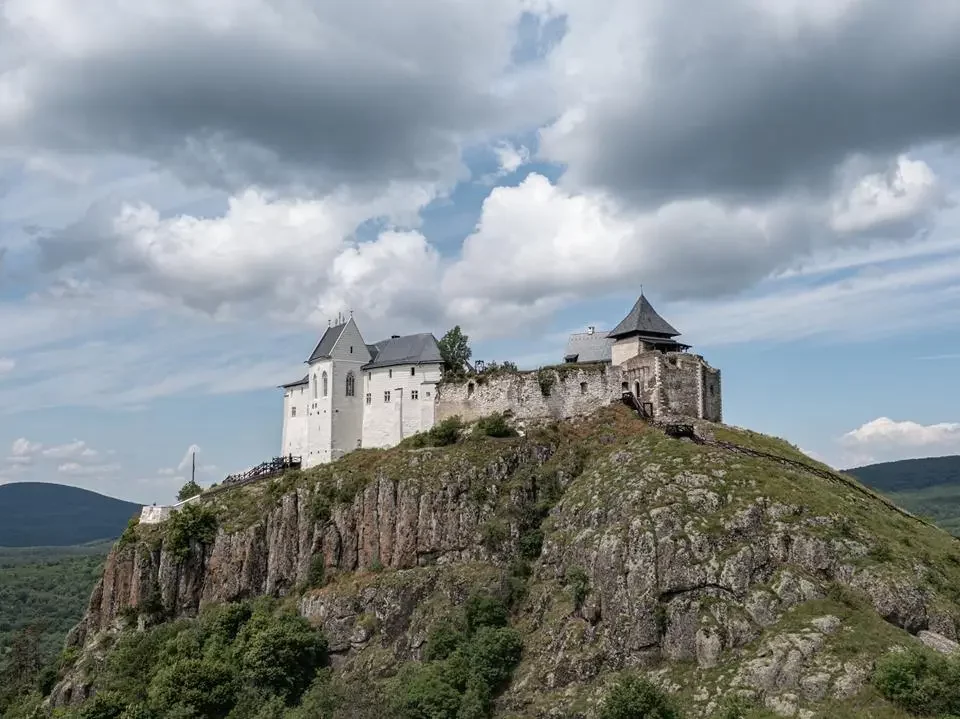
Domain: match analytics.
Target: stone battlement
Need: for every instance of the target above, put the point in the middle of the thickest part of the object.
(667, 383)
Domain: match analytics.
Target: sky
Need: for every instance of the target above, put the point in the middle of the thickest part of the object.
(191, 191)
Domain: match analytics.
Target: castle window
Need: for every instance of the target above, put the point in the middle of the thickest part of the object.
(325, 383)
(413, 371)
(414, 394)
(351, 349)
(351, 384)
(293, 410)
(386, 396)
(583, 388)
(390, 373)
(470, 389)
(369, 398)
(428, 394)
(625, 386)
(314, 385)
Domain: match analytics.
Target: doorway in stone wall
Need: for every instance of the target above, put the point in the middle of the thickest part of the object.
(636, 390)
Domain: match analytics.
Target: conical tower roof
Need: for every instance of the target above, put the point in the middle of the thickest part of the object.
(643, 320)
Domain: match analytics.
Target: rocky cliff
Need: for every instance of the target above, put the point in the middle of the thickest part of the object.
(726, 565)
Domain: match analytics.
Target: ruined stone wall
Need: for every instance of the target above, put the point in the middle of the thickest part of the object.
(674, 383)
(712, 401)
(574, 390)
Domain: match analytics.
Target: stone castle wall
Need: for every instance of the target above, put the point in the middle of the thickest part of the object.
(673, 383)
(574, 390)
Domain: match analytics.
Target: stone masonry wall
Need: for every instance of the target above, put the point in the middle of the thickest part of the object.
(576, 390)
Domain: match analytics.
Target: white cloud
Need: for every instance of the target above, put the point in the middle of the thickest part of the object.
(75, 449)
(885, 439)
(23, 447)
(87, 470)
(7, 365)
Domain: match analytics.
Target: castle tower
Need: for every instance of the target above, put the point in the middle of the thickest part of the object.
(643, 330)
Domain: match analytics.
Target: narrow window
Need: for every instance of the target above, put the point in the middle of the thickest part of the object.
(413, 371)
(350, 384)
(414, 394)
(293, 410)
(369, 375)
(390, 373)
(386, 396)
(314, 385)
(470, 389)
(324, 375)
(369, 398)
(351, 349)
(583, 388)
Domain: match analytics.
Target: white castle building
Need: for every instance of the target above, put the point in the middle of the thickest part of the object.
(359, 395)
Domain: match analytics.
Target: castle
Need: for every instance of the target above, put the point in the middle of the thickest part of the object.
(373, 395)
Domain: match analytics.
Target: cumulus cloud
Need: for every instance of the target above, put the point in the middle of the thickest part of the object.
(265, 92)
(23, 447)
(885, 439)
(87, 470)
(746, 99)
(75, 449)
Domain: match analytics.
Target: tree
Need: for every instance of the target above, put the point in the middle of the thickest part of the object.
(190, 489)
(455, 350)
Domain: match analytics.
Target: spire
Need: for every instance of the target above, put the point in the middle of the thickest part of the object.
(643, 320)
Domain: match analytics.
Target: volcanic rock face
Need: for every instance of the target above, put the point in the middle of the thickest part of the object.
(703, 566)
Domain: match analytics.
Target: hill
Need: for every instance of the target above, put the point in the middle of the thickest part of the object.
(601, 567)
(927, 487)
(38, 514)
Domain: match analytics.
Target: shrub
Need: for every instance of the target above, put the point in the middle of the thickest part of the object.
(579, 584)
(190, 489)
(316, 576)
(494, 425)
(637, 698)
(483, 610)
(495, 534)
(194, 522)
(546, 379)
(445, 432)
(920, 682)
(129, 535)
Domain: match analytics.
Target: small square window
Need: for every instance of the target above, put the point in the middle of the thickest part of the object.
(386, 396)
(293, 410)
(369, 398)
(428, 394)
(413, 371)
(414, 394)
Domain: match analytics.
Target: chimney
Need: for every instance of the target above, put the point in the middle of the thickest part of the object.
(591, 329)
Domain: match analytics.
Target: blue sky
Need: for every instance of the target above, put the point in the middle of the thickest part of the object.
(189, 192)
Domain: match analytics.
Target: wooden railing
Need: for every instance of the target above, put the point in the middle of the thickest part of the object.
(277, 465)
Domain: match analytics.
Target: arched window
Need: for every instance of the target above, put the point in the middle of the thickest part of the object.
(314, 385)
(324, 384)
(350, 384)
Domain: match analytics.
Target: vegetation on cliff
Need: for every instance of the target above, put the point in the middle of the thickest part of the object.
(616, 572)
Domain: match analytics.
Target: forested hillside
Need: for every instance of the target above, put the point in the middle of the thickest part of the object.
(39, 514)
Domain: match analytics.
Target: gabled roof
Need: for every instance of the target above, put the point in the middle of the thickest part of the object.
(325, 345)
(588, 347)
(305, 380)
(411, 349)
(643, 319)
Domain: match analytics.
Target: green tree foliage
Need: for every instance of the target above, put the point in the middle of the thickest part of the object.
(252, 660)
(920, 681)
(455, 350)
(494, 425)
(190, 489)
(468, 660)
(193, 522)
(636, 698)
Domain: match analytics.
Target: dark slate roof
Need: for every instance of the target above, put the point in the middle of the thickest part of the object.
(305, 380)
(643, 319)
(326, 343)
(588, 347)
(411, 349)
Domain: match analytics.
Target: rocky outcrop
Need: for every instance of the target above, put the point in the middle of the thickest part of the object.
(658, 555)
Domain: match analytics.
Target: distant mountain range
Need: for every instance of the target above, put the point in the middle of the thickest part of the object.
(927, 487)
(38, 514)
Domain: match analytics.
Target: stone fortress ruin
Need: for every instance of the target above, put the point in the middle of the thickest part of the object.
(639, 360)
